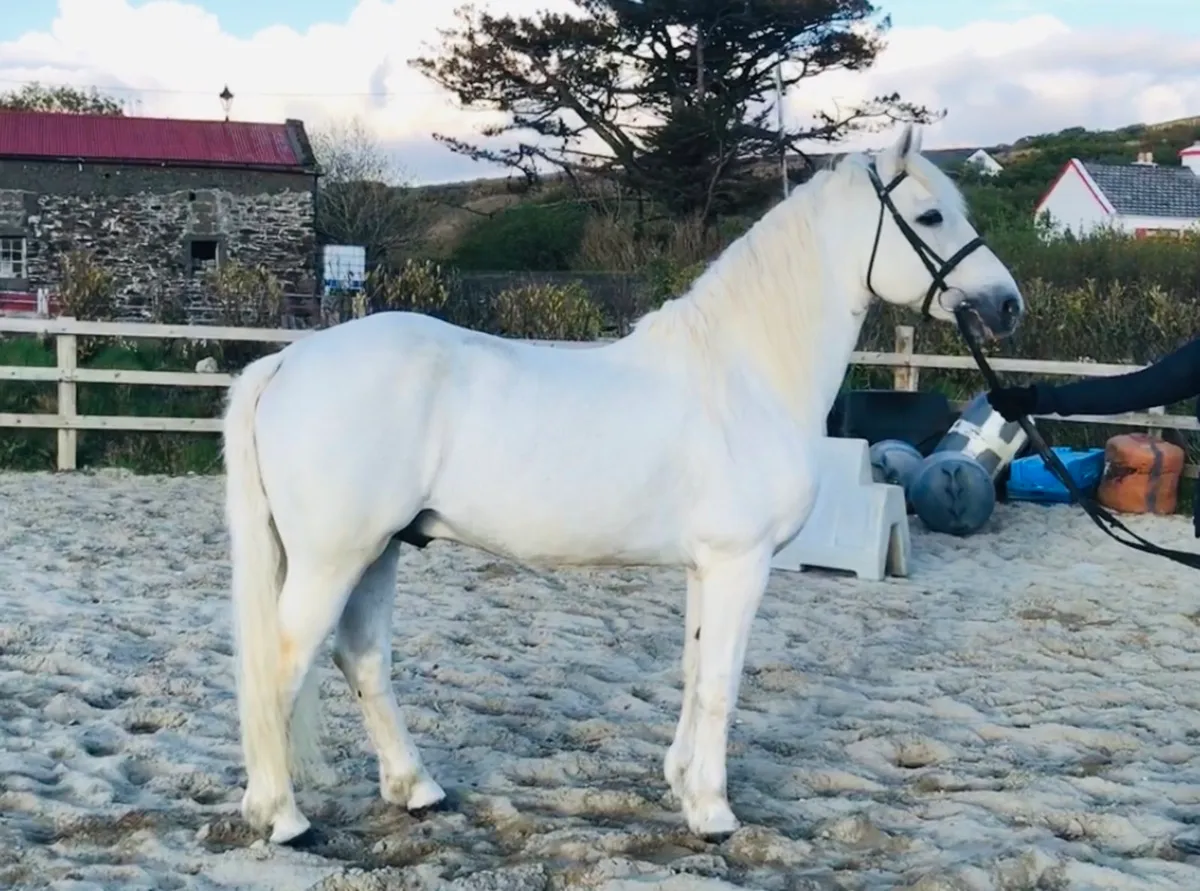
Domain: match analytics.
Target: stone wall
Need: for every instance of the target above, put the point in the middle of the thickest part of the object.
(140, 222)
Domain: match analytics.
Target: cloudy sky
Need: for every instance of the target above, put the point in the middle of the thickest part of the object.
(1001, 68)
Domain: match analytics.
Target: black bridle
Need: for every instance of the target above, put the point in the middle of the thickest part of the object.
(939, 269)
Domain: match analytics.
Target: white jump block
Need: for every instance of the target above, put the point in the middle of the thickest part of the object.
(857, 524)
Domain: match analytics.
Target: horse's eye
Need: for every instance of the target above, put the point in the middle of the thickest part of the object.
(930, 218)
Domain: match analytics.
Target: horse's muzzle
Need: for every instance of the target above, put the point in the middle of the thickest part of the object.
(992, 314)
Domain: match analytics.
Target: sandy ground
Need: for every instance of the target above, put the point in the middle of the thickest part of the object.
(1023, 713)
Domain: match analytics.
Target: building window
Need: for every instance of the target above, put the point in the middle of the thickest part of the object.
(12, 256)
(204, 254)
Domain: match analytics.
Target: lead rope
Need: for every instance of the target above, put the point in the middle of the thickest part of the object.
(1099, 514)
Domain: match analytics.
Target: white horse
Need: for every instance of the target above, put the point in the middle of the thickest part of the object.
(687, 443)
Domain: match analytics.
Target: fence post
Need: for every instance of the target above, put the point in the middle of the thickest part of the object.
(66, 348)
(905, 377)
(1157, 432)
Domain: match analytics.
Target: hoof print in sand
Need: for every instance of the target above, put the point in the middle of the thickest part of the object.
(142, 723)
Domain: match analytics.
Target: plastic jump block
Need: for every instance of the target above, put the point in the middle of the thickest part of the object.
(857, 524)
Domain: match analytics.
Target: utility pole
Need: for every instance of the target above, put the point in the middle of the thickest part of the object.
(783, 167)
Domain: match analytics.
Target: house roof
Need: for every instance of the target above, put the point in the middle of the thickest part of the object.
(1147, 191)
(157, 141)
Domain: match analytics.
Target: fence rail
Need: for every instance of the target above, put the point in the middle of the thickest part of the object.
(906, 365)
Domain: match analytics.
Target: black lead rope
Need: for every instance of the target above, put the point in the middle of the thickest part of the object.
(1099, 514)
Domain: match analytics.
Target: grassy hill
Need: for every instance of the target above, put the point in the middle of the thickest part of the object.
(473, 223)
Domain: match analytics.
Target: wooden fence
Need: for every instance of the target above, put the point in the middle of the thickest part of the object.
(906, 367)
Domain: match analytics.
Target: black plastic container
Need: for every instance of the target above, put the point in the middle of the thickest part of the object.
(921, 418)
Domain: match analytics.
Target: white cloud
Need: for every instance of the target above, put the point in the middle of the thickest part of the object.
(998, 80)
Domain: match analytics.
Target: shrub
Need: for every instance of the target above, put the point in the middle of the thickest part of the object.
(245, 295)
(86, 290)
(542, 237)
(242, 296)
(418, 286)
(548, 312)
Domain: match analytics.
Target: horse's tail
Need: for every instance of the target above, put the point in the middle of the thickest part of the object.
(258, 567)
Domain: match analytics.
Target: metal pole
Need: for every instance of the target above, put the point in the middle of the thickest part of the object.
(783, 168)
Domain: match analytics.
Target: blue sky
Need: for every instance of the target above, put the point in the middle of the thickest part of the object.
(1181, 16)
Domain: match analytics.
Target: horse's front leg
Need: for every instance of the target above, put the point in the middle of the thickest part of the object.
(680, 754)
(730, 592)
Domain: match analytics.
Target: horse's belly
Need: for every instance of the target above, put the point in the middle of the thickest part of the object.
(562, 544)
(566, 518)
(574, 490)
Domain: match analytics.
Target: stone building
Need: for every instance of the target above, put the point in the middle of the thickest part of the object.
(157, 202)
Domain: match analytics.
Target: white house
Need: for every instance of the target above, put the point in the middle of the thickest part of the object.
(948, 159)
(982, 159)
(1141, 199)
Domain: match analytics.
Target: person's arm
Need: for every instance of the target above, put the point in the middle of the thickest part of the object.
(1173, 378)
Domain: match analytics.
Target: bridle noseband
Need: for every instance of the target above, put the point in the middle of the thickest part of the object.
(938, 268)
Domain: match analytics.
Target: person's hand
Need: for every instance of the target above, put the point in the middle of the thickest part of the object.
(1013, 402)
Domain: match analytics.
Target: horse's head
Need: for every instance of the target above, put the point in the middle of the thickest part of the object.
(920, 250)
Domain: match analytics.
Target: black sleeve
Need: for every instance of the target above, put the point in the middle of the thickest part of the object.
(1173, 378)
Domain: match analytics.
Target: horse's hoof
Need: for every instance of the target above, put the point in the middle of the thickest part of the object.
(287, 829)
(713, 822)
(426, 796)
(307, 840)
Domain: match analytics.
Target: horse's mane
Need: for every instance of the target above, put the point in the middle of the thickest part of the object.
(770, 297)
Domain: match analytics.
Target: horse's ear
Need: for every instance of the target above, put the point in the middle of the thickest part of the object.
(914, 140)
(892, 159)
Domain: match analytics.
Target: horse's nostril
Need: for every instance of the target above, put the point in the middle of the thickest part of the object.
(1011, 307)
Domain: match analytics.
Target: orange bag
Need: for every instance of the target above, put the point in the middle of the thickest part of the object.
(1141, 474)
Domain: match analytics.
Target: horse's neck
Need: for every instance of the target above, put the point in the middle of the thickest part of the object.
(828, 358)
(808, 379)
(769, 310)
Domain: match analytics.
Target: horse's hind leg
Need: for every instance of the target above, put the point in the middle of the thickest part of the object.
(363, 652)
(313, 596)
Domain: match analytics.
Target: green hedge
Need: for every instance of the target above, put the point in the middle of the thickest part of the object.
(523, 238)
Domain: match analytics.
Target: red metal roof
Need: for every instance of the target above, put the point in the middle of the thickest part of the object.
(146, 140)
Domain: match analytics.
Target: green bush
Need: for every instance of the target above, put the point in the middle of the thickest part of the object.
(417, 286)
(527, 237)
(548, 312)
